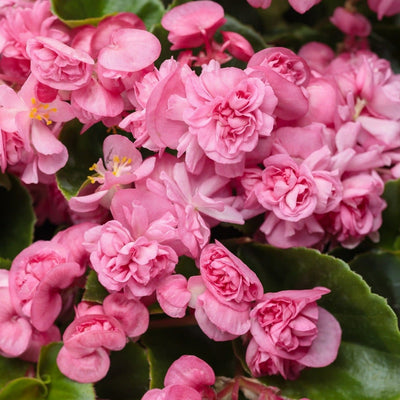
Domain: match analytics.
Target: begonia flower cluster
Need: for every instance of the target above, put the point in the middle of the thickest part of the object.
(304, 141)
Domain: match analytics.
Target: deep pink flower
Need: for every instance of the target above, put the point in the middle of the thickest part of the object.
(193, 23)
(384, 7)
(289, 325)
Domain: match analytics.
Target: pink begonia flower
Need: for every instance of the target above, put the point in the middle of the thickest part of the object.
(360, 212)
(72, 239)
(317, 55)
(131, 314)
(57, 65)
(191, 371)
(173, 295)
(228, 112)
(129, 50)
(285, 234)
(173, 392)
(353, 24)
(222, 307)
(122, 165)
(301, 6)
(104, 30)
(38, 275)
(288, 75)
(19, 24)
(289, 327)
(384, 7)
(87, 340)
(237, 45)
(16, 331)
(260, 3)
(192, 24)
(198, 201)
(124, 262)
(43, 153)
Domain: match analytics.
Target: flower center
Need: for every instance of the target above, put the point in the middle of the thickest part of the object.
(41, 111)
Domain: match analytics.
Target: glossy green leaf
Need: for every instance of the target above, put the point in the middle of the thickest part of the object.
(167, 344)
(13, 368)
(390, 228)
(83, 151)
(17, 219)
(381, 270)
(24, 389)
(59, 386)
(369, 356)
(128, 377)
(81, 12)
(94, 291)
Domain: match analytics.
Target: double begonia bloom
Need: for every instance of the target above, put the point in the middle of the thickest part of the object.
(192, 24)
(223, 295)
(228, 112)
(38, 275)
(124, 262)
(288, 74)
(291, 329)
(58, 65)
(188, 378)
(87, 341)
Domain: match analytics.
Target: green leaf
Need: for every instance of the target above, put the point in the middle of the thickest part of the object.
(24, 389)
(83, 151)
(381, 270)
(94, 291)
(13, 368)
(369, 355)
(255, 39)
(128, 377)
(165, 345)
(59, 386)
(5, 263)
(17, 219)
(81, 12)
(390, 228)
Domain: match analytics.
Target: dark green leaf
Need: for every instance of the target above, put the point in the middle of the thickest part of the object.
(81, 12)
(381, 270)
(165, 345)
(24, 389)
(5, 263)
(59, 386)
(370, 350)
(94, 291)
(17, 219)
(13, 368)
(83, 151)
(128, 377)
(390, 228)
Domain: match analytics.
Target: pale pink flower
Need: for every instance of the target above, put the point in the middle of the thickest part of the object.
(173, 392)
(301, 6)
(122, 165)
(193, 23)
(317, 55)
(289, 325)
(237, 45)
(57, 65)
(260, 3)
